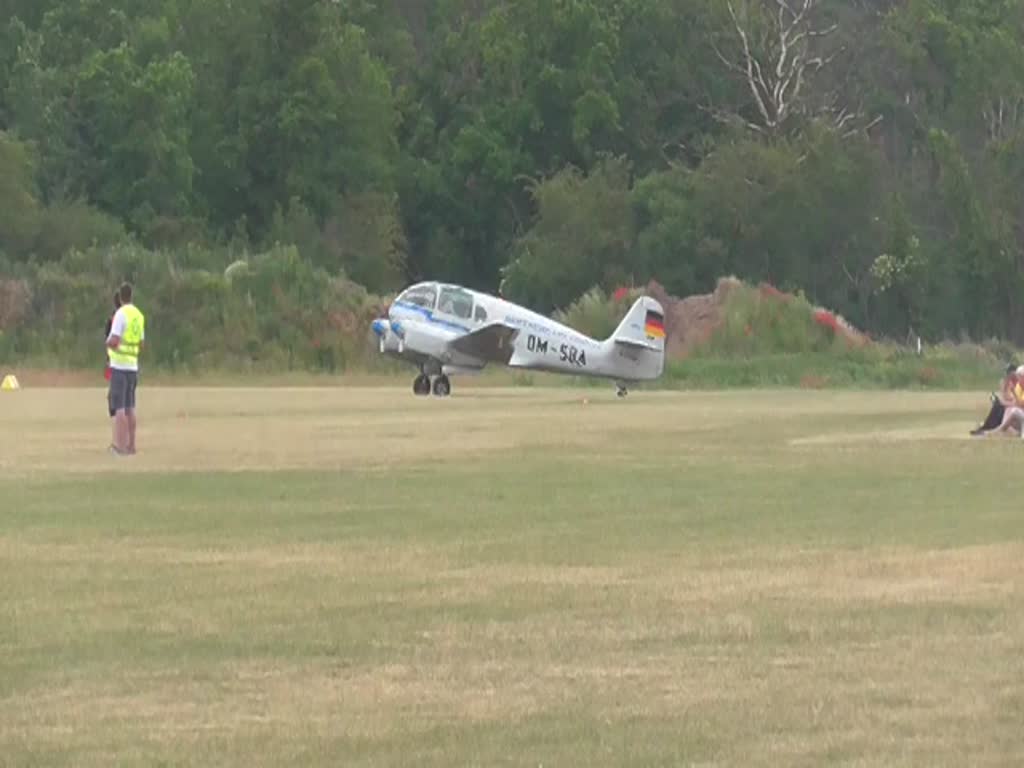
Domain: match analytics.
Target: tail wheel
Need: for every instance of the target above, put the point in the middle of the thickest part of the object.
(442, 387)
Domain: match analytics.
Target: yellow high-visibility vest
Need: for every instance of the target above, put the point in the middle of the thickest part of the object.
(127, 352)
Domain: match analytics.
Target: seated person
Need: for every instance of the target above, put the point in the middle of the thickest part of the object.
(999, 402)
(1011, 402)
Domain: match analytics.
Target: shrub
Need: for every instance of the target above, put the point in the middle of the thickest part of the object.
(204, 309)
(596, 313)
(758, 322)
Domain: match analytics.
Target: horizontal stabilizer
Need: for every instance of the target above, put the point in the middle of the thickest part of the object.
(492, 343)
(637, 344)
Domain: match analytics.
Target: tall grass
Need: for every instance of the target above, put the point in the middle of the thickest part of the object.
(769, 339)
(219, 310)
(757, 322)
(597, 313)
(269, 311)
(874, 369)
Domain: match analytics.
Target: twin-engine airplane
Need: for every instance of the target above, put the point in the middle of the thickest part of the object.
(446, 329)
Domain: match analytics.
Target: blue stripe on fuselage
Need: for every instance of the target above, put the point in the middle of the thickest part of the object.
(428, 315)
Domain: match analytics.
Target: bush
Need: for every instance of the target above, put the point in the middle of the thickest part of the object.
(596, 313)
(66, 226)
(756, 322)
(204, 309)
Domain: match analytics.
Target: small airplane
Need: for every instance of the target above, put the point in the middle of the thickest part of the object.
(447, 329)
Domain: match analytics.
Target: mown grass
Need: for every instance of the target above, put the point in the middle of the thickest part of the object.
(934, 372)
(819, 370)
(528, 576)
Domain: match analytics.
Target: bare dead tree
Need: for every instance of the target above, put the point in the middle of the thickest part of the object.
(1003, 115)
(778, 52)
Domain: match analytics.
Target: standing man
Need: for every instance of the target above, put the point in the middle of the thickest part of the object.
(124, 343)
(106, 371)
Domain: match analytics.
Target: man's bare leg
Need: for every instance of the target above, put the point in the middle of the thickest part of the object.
(130, 414)
(121, 431)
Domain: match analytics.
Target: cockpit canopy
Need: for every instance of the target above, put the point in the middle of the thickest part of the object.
(455, 301)
(447, 299)
(422, 295)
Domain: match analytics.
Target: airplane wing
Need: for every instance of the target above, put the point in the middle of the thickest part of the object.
(492, 342)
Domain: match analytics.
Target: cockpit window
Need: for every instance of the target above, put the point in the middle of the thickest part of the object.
(456, 301)
(480, 314)
(421, 295)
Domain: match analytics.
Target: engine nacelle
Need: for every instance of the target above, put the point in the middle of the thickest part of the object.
(387, 340)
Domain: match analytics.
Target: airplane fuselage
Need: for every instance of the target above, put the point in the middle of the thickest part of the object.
(447, 329)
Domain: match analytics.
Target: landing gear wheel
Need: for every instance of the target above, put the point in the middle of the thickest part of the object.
(421, 385)
(621, 391)
(442, 387)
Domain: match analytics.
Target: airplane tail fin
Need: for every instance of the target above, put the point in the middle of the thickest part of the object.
(641, 337)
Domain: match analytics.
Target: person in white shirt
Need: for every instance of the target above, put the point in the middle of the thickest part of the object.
(124, 343)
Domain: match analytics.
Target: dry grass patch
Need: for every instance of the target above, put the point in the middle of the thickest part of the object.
(225, 429)
(508, 576)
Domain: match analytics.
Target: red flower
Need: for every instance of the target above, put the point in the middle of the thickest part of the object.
(826, 319)
(620, 293)
(769, 290)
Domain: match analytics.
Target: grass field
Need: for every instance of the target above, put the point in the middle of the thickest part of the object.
(354, 576)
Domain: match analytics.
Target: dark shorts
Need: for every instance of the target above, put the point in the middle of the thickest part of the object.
(121, 394)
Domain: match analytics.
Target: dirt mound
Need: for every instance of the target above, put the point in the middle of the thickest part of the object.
(690, 322)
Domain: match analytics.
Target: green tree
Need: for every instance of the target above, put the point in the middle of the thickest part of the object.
(134, 119)
(582, 237)
(322, 108)
(516, 93)
(19, 209)
(803, 214)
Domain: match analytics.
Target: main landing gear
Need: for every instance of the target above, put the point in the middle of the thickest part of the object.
(620, 390)
(441, 386)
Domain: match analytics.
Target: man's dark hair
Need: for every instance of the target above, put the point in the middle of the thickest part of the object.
(117, 299)
(125, 292)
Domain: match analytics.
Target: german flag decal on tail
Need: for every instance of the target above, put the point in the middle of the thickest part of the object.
(654, 325)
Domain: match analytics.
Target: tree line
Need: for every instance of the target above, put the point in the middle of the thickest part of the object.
(869, 153)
